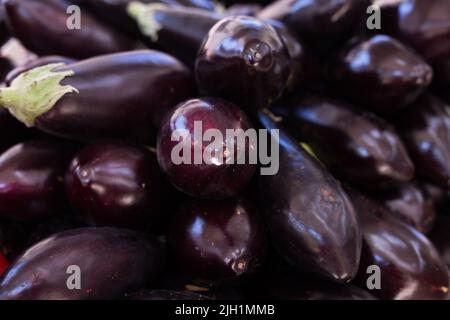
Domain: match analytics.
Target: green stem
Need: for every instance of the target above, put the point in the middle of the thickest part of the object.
(35, 92)
(145, 16)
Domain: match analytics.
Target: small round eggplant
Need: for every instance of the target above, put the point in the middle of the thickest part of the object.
(358, 146)
(379, 73)
(218, 240)
(322, 24)
(108, 261)
(122, 95)
(425, 127)
(410, 266)
(38, 62)
(116, 184)
(410, 204)
(42, 26)
(206, 169)
(311, 219)
(32, 179)
(176, 30)
(245, 61)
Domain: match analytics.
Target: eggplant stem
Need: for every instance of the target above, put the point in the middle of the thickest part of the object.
(35, 92)
(144, 14)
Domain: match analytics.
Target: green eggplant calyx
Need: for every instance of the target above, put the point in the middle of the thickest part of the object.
(35, 92)
(145, 16)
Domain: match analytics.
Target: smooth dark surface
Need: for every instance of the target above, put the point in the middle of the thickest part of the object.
(243, 60)
(220, 175)
(121, 95)
(411, 205)
(379, 73)
(166, 295)
(116, 184)
(12, 238)
(323, 24)
(5, 66)
(218, 240)
(41, 27)
(311, 219)
(32, 179)
(112, 262)
(358, 146)
(13, 130)
(441, 237)
(425, 127)
(3, 264)
(410, 265)
(38, 62)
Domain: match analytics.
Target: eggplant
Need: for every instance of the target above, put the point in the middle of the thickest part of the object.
(122, 95)
(12, 237)
(38, 62)
(410, 266)
(110, 262)
(425, 128)
(310, 217)
(176, 30)
(41, 26)
(16, 131)
(32, 179)
(441, 237)
(356, 145)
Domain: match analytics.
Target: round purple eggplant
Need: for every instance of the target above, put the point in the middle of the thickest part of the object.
(107, 261)
(32, 179)
(215, 167)
(245, 61)
(122, 95)
(310, 217)
(218, 240)
(117, 184)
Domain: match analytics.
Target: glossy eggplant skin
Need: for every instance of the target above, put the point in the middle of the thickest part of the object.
(38, 62)
(220, 175)
(14, 131)
(331, 21)
(425, 25)
(425, 127)
(311, 219)
(117, 184)
(356, 145)
(32, 179)
(441, 237)
(379, 73)
(166, 295)
(180, 31)
(112, 262)
(122, 95)
(410, 265)
(41, 27)
(410, 204)
(218, 240)
(245, 61)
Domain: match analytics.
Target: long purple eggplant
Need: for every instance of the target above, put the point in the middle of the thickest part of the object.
(121, 95)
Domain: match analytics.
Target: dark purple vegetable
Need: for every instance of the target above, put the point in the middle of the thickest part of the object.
(411, 205)
(441, 237)
(14, 131)
(322, 24)
(176, 30)
(196, 166)
(121, 95)
(42, 27)
(12, 238)
(32, 179)
(38, 62)
(117, 184)
(410, 266)
(311, 219)
(379, 73)
(218, 240)
(425, 127)
(356, 145)
(111, 262)
(243, 60)
(426, 26)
